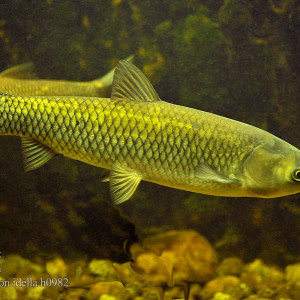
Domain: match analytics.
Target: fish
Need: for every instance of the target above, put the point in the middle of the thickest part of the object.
(22, 80)
(137, 136)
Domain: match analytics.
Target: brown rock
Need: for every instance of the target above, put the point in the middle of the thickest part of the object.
(230, 266)
(259, 276)
(293, 273)
(174, 257)
(229, 285)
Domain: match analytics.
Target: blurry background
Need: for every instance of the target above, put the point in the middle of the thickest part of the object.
(236, 58)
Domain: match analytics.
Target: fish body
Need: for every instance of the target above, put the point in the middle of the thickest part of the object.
(138, 137)
(21, 80)
(42, 87)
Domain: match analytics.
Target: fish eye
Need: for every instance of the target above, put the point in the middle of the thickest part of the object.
(296, 175)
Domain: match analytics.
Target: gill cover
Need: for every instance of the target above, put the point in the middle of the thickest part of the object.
(260, 170)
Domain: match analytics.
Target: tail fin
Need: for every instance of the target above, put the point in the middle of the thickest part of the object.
(107, 80)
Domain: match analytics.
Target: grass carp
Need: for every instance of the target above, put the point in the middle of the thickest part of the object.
(21, 80)
(137, 136)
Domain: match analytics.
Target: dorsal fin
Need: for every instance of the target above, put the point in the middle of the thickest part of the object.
(22, 71)
(107, 80)
(131, 84)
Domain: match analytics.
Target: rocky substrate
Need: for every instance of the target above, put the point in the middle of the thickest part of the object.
(172, 265)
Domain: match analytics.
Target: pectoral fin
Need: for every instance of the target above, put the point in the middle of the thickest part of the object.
(123, 183)
(35, 154)
(24, 71)
(205, 172)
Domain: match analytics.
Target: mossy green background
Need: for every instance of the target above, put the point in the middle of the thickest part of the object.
(236, 58)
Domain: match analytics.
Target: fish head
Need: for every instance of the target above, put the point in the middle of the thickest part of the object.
(272, 170)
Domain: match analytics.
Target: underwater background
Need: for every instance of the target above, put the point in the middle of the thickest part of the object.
(236, 58)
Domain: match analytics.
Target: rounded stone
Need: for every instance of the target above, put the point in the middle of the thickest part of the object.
(175, 257)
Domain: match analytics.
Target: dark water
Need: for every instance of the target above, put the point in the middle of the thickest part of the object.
(239, 59)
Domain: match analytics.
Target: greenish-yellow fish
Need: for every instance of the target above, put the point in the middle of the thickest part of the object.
(21, 80)
(138, 137)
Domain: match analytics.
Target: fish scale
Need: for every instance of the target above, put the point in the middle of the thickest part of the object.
(141, 146)
(139, 137)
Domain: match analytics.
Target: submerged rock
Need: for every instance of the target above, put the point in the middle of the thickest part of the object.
(230, 266)
(101, 289)
(229, 286)
(8, 293)
(293, 273)
(222, 296)
(167, 266)
(14, 264)
(103, 269)
(35, 292)
(288, 291)
(259, 276)
(174, 257)
(57, 267)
